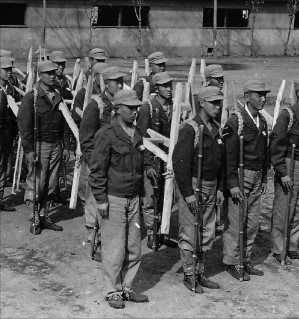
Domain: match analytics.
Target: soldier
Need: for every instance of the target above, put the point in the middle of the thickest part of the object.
(116, 180)
(96, 90)
(214, 75)
(285, 133)
(98, 113)
(97, 55)
(51, 131)
(8, 128)
(249, 123)
(185, 166)
(156, 114)
(157, 61)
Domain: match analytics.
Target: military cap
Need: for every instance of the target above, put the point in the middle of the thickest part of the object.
(255, 86)
(214, 71)
(97, 54)
(5, 62)
(296, 86)
(126, 97)
(210, 93)
(46, 66)
(112, 73)
(42, 52)
(5, 53)
(157, 58)
(98, 68)
(161, 78)
(57, 56)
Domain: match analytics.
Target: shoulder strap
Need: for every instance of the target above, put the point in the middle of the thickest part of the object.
(264, 120)
(196, 130)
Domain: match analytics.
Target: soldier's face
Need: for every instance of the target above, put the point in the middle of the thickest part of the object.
(256, 99)
(157, 68)
(61, 67)
(6, 73)
(218, 82)
(113, 86)
(128, 114)
(164, 90)
(48, 77)
(212, 108)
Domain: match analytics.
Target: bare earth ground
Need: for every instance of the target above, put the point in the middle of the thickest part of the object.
(52, 276)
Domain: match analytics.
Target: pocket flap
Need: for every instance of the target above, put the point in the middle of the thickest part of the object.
(121, 149)
(248, 136)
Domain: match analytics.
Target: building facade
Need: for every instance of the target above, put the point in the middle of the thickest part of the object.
(179, 28)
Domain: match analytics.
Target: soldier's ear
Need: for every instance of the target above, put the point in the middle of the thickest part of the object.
(156, 88)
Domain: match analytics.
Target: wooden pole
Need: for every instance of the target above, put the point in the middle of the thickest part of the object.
(44, 26)
(215, 30)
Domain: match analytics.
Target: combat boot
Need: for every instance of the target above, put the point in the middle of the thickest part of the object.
(46, 223)
(252, 271)
(189, 283)
(6, 208)
(202, 279)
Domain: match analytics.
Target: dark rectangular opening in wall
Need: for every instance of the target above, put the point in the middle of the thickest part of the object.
(12, 13)
(107, 16)
(129, 18)
(226, 18)
(296, 21)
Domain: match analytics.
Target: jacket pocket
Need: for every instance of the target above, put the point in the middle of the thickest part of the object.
(44, 114)
(121, 158)
(248, 137)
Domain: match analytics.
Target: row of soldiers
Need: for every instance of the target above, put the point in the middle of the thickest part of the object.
(122, 175)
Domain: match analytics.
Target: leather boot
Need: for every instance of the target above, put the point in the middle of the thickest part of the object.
(46, 223)
(189, 283)
(6, 208)
(202, 279)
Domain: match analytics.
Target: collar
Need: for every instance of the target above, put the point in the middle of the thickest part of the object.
(215, 129)
(122, 135)
(257, 122)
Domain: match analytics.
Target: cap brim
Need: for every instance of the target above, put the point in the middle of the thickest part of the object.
(48, 70)
(218, 75)
(164, 81)
(159, 61)
(60, 60)
(214, 98)
(132, 102)
(99, 57)
(6, 66)
(115, 76)
(257, 90)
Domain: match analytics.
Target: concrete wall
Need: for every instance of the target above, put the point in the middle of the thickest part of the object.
(175, 28)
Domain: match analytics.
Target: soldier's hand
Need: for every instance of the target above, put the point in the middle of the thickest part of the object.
(30, 158)
(103, 209)
(151, 173)
(220, 198)
(287, 182)
(236, 194)
(264, 188)
(192, 203)
(65, 155)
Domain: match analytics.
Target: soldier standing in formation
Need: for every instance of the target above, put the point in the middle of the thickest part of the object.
(157, 62)
(156, 114)
(185, 166)
(285, 134)
(116, 180)
(98, 113)
(52, 132)
(249, 123)
(8, 129)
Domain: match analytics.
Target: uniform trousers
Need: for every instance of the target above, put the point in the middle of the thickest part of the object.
(280, 210)
(47, 174)
(148, 203)
(208, 194)
(121, 244)
(253, 194)
(6, 143)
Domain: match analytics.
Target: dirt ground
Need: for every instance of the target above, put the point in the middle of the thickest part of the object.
(52, 275)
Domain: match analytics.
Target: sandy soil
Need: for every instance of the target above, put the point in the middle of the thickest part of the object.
(52, 275)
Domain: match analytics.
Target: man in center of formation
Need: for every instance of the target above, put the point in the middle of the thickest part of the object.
(185, 166)
(117, 165)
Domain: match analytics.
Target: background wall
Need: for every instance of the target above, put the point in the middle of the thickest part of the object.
(175, 28)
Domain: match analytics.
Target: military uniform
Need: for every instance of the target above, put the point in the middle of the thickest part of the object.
(52, 136)
(8, 128)
(116, 178)
(153, 115)
(255, 133)
(97, 114)
(185, 166)
(157, 61)
(284, 134)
